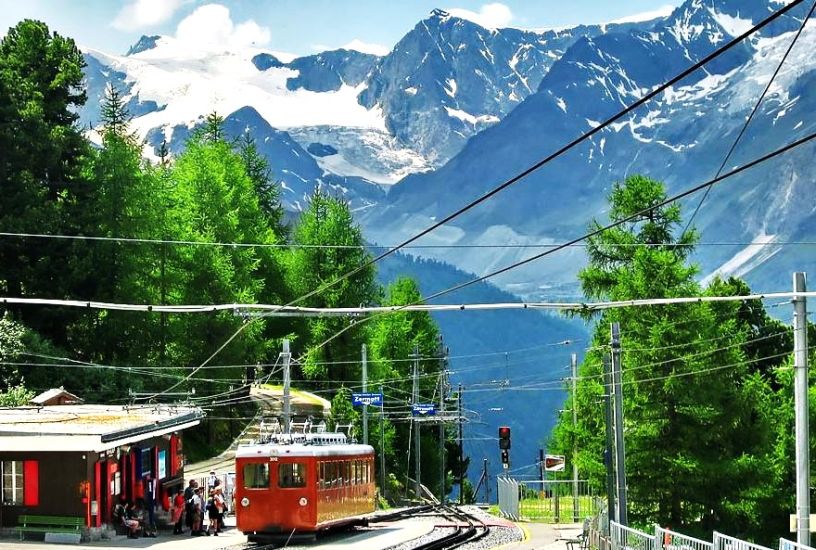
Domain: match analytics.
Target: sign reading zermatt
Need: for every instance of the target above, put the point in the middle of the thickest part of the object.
(375, 399)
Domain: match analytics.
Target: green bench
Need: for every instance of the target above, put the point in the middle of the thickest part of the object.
(49, 524)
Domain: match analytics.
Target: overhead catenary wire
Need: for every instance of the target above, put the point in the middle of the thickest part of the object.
(647, 97)
(500, 246)
(562, 306)
(751, 116)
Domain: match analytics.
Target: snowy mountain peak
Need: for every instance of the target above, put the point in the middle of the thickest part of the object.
(144, 43)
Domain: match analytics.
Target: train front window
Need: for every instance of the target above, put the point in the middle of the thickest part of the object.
(291, 475)
(256, 476)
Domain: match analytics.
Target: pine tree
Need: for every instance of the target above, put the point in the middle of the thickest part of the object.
(258, 170)
(114, 113)
(689, 398)
(325, 224)
(41, 164)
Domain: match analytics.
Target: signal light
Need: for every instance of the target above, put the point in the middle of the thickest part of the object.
(504, 437)
(505, 458)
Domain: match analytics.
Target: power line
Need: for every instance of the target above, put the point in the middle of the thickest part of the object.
(502, 246)
(657, 90)
(751, 116)
(416, 307)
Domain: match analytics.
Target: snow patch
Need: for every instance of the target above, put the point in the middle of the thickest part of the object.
(746, 259)
(663, 11)
(450, 87)
(734, 26)
(469, 118)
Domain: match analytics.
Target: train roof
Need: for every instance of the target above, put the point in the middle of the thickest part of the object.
(304, 445)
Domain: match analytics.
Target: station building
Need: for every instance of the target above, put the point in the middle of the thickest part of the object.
(79, 460)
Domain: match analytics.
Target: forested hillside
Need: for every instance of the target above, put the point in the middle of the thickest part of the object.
(201, 226)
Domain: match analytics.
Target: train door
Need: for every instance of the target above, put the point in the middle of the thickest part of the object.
(293, 479)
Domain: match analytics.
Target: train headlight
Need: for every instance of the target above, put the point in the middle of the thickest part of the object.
(303, 501)
(245, 502)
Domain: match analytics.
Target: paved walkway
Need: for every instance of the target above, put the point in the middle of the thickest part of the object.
(165, 541)
(544, 536)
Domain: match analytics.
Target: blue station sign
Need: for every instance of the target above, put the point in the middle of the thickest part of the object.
(375, 399)
(423, 409)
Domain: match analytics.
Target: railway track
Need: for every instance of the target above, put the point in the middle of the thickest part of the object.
(457, 529)
(467, 529)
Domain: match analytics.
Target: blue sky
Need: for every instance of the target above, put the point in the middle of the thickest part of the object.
(297, 26)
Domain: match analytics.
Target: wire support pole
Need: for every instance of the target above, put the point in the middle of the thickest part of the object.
(800, 364)
(417, 450)
(287, 382)
(574, 364)
(365, 389)
(620, 450)
(461, 458)
(382, 441)
(609, 459)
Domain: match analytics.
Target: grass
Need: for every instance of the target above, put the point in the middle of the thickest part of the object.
(544, 509)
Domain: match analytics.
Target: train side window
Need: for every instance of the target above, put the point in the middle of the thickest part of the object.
(256, 476)
(347, 472)
(291, 475)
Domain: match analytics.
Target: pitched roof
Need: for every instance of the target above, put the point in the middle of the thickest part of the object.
(89, 427)
(55, 393)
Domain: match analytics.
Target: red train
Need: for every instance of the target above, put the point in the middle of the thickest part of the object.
(302, 483)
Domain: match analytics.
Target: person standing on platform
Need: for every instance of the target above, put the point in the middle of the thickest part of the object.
(150, 487)
(179, 504)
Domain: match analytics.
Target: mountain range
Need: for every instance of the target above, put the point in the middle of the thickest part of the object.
(455, 109)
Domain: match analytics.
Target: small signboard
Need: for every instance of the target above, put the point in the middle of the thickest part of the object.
(794, 523)
(375, 399)
(554, 463)
(423, 409)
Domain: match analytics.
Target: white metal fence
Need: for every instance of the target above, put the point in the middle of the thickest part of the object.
(785, 544)
(549, 501)
(509, 498)
(666, 539)
(724, 542)
(626, 538)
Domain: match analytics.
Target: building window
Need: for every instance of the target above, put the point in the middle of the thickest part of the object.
(256, 476)
(291, 475)
(12, 473)
(147, 461)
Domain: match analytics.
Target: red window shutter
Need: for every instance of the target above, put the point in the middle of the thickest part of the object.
(31, 483)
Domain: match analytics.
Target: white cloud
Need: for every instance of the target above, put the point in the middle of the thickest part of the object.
(139, 14)
(210, 27)
(367, 47)
(663, 11)
(494, 16)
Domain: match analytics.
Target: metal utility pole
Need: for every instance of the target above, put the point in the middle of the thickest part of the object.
(461, 440)
(365, 389)
(800, 365)
(417, 465)
(486, 481)
(443, 383)
(382, 442)
(620, 450)
(287, 382)
(575, 437)
(608, 455)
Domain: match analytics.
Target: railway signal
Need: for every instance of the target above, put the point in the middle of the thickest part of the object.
(504, 445)
(504, 438)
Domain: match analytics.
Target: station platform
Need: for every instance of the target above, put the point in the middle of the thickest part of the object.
(544, 536)
(164, 541)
